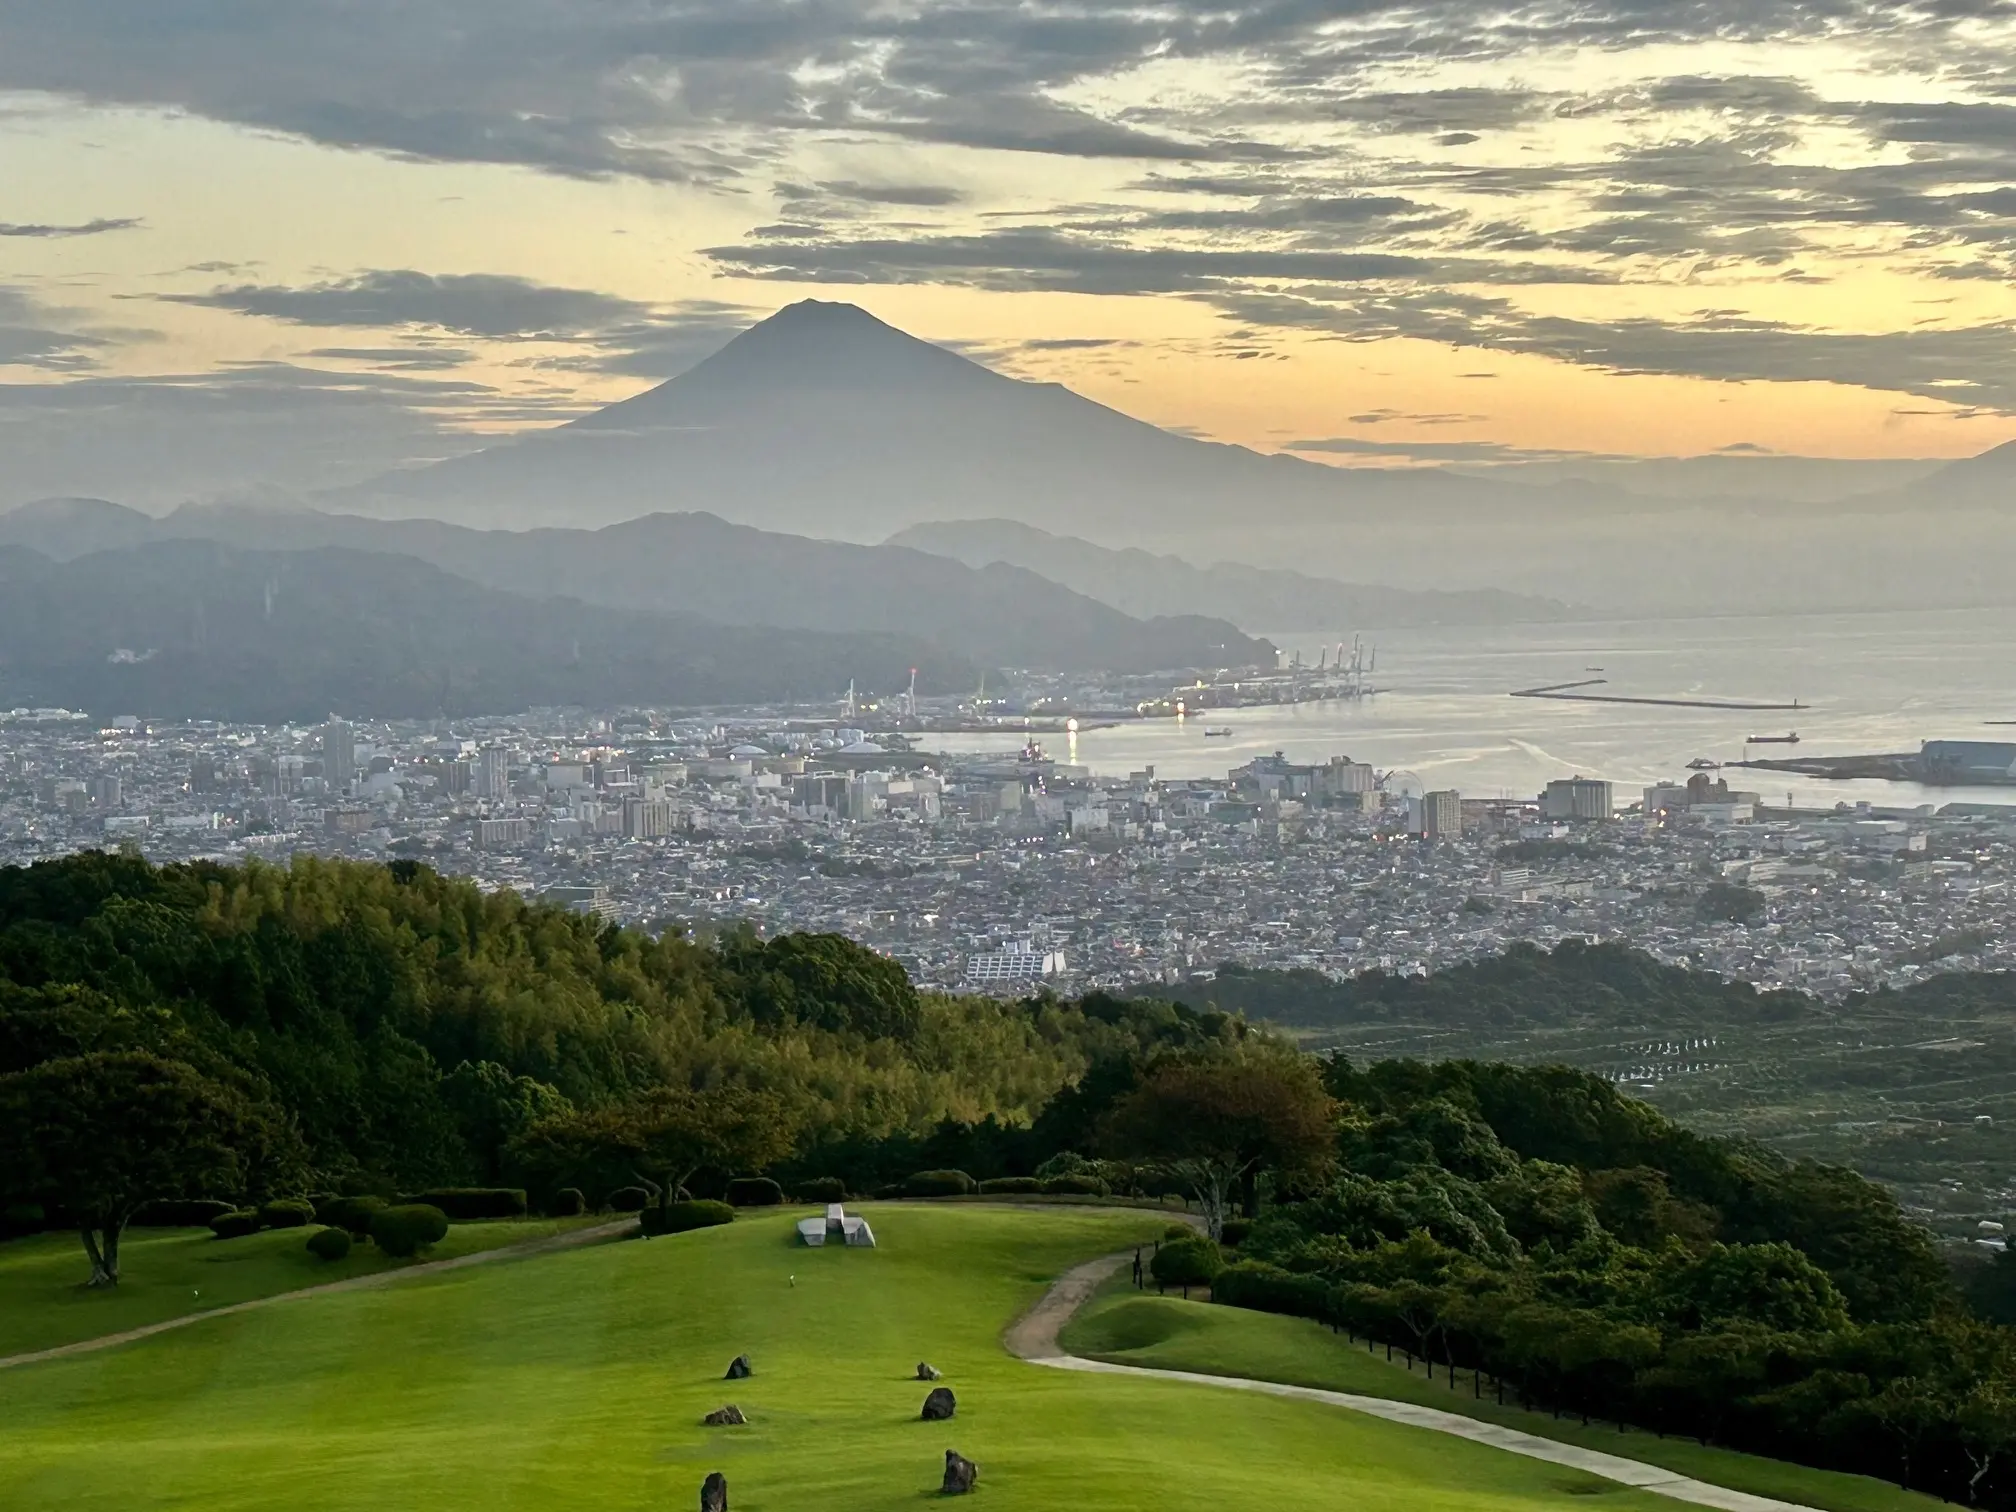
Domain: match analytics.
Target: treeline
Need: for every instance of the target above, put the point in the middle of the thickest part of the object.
(1537, 1226)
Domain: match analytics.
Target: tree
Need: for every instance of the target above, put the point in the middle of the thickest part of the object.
(660, 1140)
(99, 1135)
(1219, 1119)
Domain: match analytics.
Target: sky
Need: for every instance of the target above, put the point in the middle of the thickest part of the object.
(244, 242)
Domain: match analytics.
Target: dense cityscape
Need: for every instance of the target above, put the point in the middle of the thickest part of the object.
(1005, 872)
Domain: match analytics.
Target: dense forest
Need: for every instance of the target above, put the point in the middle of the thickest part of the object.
(257, 1033)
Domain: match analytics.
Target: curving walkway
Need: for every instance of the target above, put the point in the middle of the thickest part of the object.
(1034, 1338)
(530, 1247)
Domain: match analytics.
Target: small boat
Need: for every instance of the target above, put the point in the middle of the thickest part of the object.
(1703, 764)
(1791, 739)
(1592, 669)
(1221, 733)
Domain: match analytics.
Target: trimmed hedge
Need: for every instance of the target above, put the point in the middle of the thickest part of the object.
(23, 1218)
(1234, 1231)
(465, 1204)
(235, 1225)
(1187, 1262)
(287, 1212)
(683, 1217)
(754, 1191)
(1076, 1186)
(567, 1203)
(1268, 1288)
(631, 1199)
(408, 1229)
(179, 1212)
(330, 1244)
(353, 1214)
(939, 1184)
(322, 1202)
(821, 1189)
(1011, 1185)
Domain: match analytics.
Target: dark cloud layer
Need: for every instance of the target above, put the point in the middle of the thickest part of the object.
(44, 232)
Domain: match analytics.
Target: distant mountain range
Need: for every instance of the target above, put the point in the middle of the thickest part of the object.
(1254, 598)
(198, 629)
(698, 565)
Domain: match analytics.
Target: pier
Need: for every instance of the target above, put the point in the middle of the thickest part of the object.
(1569, 692)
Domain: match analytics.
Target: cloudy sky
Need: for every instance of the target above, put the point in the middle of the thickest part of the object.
(300, 242)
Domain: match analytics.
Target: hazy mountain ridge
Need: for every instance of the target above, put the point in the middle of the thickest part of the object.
(199, 629)
(1254, 598)
(1001, 615)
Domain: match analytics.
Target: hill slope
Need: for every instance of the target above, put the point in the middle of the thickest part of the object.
(209, 631)
(1254, 598)
(698, 564)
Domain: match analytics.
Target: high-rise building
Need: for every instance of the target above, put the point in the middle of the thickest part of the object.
(1442, 814)
(1578, 798)
(107, 792)
(203, 773)
(492, 775)
(339, 756)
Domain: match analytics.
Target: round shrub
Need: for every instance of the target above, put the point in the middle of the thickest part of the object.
(1178, 1231)
(330, 1244)
(1235, 1231)
(567, 1203)
(404, 1231)
(939, 1184)
(630, 1199)
(235, 1225)
(1190, 1261)
(1009, 1186)
(353, 1214)
(322, 1202)
(682, 1217)
(467, 1204)
(287, 1212)
(1076, 1186)
(821, 1189)
(175, 1212)
(754, 1191)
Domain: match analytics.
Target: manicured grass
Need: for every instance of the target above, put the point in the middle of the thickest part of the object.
(170, 1273)
(577, 1381)
(1166, 1333)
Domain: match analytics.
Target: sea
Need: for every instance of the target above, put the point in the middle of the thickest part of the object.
(1443, 716)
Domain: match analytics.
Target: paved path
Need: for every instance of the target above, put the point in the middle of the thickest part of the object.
(1034, 1339)
(531, 1247)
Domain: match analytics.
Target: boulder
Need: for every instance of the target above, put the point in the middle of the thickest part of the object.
(725, 1417)
(960, 1473)
(739, 1369)
(940, 1405)
(928, 1372)
(714, 1492)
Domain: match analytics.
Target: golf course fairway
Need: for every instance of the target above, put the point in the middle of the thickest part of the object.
(577, 1380)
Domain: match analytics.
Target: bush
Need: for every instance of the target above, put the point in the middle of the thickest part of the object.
(754, 1191)
(1186, 1262)
(406, 1230)
(322, 1202)
(172, 1212)
(466, 1204)
(938, 1184)
(631, 1199)
(23, 1218)
(567, 1203)
(235, 1225)
(287, 1212)
(352, 1214)
(1076, 1186)
(1017, 1185)
(1178, 1231)
(1267, 1288)
(821, 1189)
(682, 1217)
(329, 1244)
(1067, 1163)
(888, 1193)
(1235, 1231)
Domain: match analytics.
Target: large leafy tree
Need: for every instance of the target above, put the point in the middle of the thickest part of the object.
(1220, 1119)
(662, 1140)
(99, 1135)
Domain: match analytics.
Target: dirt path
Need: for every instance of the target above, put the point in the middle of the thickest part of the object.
(1034, 1338)
(531, 1247)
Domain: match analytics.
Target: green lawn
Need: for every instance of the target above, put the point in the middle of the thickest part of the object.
(577, 1380)
(170, 1273)
(1166, 1333)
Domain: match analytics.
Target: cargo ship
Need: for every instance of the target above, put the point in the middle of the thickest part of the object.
(1790, 739)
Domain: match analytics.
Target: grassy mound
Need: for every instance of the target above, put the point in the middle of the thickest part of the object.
(1165, 1333)
(578, 1381)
